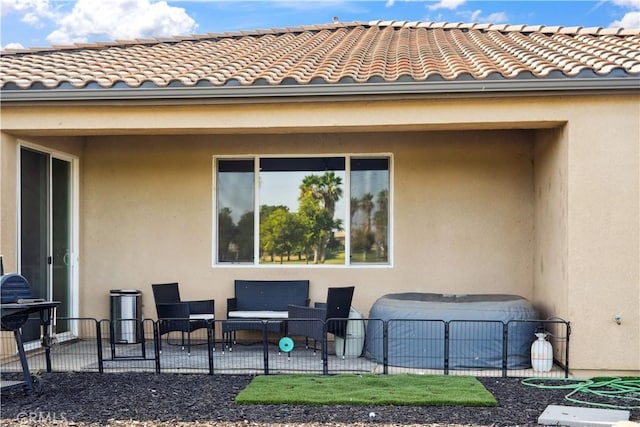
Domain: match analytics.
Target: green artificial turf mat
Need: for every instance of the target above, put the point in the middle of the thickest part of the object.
(347, 389)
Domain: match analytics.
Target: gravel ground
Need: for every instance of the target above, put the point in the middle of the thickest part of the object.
(142, 399)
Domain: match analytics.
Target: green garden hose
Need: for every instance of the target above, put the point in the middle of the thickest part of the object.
(627, 388)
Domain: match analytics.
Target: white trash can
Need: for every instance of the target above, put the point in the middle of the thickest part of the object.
(354, 336)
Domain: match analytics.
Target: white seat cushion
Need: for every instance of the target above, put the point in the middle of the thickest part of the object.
(265, 314)
(201, 317)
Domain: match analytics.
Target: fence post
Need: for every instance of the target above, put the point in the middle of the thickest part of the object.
(211, 343)
(505, 343)
(156, 343)
(385, 347)
(111, 338)
(265, 346)
(446, 348)
(325, 350)
(99, 344)
(566, 353)
(142, 337)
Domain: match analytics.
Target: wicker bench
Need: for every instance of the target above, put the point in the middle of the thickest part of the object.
(262, 304)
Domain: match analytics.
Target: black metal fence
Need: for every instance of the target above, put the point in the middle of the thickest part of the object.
(478, 348)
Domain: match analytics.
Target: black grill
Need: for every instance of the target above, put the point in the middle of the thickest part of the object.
(13, 288)
(17, 303)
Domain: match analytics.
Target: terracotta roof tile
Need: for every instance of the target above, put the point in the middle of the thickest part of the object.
(380, 51)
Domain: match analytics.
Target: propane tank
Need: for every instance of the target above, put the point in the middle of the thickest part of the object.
(541, 353)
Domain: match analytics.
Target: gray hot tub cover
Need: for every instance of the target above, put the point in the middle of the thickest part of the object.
(416, 330)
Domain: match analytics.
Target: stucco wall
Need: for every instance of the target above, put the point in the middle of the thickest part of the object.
(146, 200)
(551, 252)
(8, 201)
(603, 236)
(463, 215)
(586, 267)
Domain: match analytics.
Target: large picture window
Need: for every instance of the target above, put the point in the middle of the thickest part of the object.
(303, 210)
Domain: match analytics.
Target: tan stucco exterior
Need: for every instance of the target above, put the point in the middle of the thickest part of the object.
(537, 196)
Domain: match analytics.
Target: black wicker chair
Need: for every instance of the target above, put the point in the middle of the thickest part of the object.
(330, 317)
(175, 315)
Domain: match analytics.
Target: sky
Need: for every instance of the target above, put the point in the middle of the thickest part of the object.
(44, 23)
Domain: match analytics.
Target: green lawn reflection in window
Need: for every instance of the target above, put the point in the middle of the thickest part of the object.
(301, 210)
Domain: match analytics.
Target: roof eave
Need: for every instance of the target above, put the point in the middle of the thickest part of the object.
(437, 88)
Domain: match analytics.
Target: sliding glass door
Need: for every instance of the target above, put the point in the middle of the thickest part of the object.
(46, 231)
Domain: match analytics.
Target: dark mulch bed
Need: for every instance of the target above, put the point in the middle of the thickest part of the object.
(135, 399)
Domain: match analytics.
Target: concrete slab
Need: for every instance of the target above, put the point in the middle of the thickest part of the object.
(573, 416)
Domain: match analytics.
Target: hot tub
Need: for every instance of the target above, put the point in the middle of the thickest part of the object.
(417, 324)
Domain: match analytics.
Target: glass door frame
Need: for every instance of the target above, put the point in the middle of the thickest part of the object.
(74, 228)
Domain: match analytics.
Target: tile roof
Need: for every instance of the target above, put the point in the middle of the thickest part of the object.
(357, 52)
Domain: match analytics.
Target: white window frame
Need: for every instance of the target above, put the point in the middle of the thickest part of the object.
(256, 225)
